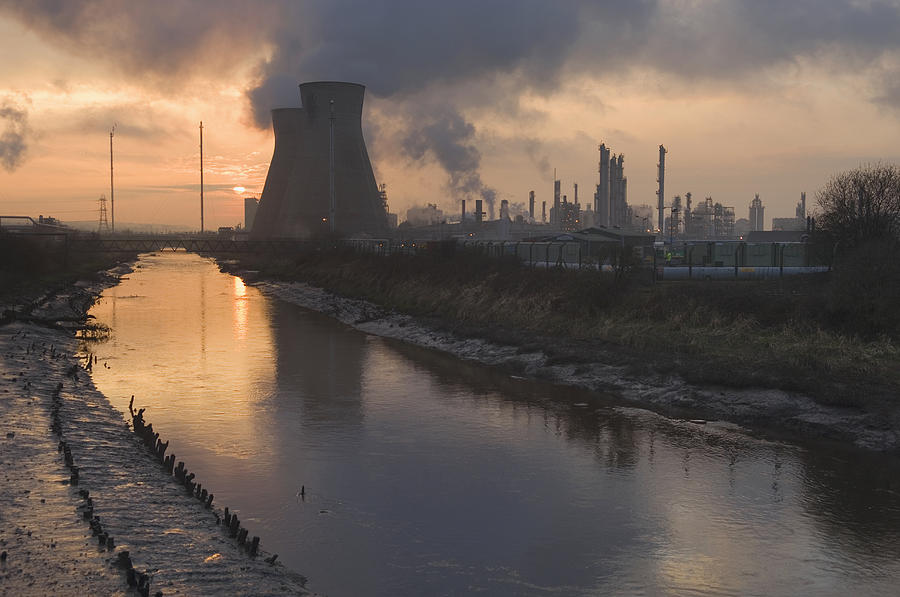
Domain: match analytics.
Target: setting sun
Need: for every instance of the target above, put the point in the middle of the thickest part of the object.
(238, 189)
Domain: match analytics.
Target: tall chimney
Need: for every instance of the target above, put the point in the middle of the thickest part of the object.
(601, 200)
(554, 213)
(661, 179)
(531, 204)
(543, 212)
(462, 219)
(479, 215)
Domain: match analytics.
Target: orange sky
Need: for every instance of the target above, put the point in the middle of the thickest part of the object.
(780, 127)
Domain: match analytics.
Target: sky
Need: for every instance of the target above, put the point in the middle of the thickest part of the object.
(464, 99)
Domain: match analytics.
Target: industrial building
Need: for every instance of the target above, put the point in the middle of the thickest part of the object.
(320, 180)
(251, 205)
(798, 222)
(611, 196)
(757, 214)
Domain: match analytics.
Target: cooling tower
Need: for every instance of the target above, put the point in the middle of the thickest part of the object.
(296, 199)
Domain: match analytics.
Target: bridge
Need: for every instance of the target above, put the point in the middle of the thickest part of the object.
(192, 244)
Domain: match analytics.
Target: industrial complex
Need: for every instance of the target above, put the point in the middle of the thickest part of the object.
(321, 186)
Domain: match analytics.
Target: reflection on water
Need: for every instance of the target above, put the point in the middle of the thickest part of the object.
(429, 476)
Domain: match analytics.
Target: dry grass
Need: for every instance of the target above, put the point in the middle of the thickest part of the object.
(770, 334)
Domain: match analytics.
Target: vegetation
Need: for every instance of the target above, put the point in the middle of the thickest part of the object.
(859, 223)
(783, 333)
(34, 266)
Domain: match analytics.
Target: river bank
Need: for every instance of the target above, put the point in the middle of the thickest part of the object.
(766, 369)
(65, 519)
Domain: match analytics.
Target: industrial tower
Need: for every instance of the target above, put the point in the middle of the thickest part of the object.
(320, 180)
(661, 192)
(104, 223)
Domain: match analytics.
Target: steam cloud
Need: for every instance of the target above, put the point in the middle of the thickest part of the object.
(448, 139)
(13, 145)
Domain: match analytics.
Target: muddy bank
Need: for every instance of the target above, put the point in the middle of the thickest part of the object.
(67, 515)
(603, 369)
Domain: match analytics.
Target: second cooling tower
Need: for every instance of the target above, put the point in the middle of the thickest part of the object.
(296, 201)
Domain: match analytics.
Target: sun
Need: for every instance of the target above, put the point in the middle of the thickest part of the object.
(238, 190)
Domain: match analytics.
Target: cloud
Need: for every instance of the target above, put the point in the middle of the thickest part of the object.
(160, 42)
(402, 47)
(446, 60)
(13, 142)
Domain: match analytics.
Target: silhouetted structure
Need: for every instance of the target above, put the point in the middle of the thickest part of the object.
(320, 180)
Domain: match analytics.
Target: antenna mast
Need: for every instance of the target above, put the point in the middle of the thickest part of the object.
(112, 197)
(332, 208)
(201, 177)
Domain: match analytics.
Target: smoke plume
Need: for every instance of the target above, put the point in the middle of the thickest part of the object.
(13, 145)
(448, 139)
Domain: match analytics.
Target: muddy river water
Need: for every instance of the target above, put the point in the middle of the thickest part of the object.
(426, 475)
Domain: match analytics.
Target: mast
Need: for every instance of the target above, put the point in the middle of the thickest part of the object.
(332, 207)
(112, 197)
(201, 177)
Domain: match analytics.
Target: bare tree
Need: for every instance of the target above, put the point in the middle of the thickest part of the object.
(861, 205)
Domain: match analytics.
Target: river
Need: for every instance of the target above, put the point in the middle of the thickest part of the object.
(427, 475)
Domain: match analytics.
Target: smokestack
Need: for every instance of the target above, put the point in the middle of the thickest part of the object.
(601, 201)
(576, 193)
(554, 212)
(462, 219)
(479, 215)
(531, 204)
(543, 212)
(504, 209)
(661, 179)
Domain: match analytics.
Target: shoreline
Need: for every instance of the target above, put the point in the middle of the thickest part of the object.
(772, 412)
(51, 507)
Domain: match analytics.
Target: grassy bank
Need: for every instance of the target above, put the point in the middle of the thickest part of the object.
(32, 268)
(788, 334)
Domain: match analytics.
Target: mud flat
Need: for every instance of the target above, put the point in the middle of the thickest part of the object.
(769, 411)
(66, 517)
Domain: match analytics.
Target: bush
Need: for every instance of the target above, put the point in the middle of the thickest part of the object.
(864, 296)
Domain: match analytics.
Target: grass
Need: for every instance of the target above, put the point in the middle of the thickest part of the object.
(32, 268)
(773, 334)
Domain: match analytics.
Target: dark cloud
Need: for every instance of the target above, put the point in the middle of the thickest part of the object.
(411, 52)
(13, 139)
(159, 42)
(402, 47)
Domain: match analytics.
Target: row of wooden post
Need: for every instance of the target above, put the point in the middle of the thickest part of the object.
(139, 580)
(152, 440)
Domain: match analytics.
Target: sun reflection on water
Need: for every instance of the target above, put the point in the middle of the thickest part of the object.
(240, 309)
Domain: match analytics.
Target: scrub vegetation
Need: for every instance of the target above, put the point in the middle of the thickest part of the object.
(32, 267)
(795, 334)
